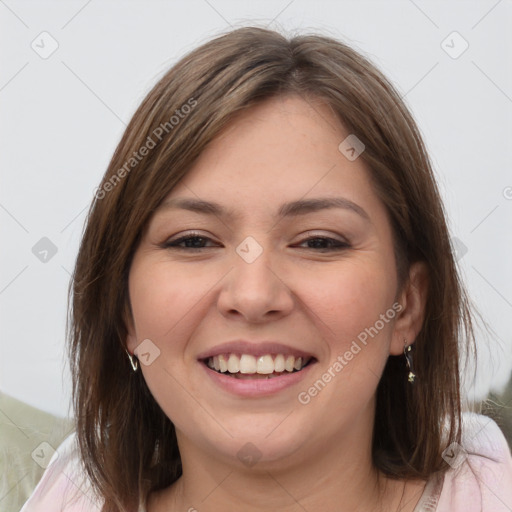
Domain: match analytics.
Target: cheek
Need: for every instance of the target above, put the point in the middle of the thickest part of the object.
(349, 300)
(164, 305)
(351, 304)
(161, 299)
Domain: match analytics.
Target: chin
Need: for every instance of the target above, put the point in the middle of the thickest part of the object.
(259, 443)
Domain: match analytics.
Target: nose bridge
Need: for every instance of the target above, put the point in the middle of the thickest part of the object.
(254, 288)
(253, 263)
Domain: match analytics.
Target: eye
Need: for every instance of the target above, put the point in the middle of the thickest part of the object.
(325, 244)
(197, 242)
(191, 241)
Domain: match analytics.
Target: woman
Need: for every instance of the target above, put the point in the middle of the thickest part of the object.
(266, 312)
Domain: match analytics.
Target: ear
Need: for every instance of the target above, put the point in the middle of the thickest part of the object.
(413, 299)
(131, 337)
(131, 343)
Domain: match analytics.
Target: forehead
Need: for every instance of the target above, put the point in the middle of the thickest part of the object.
(282, 149)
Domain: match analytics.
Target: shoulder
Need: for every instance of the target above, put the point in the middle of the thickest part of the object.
(480, 476)
(64, 485)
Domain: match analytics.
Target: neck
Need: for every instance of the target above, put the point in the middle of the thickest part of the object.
(223, 488)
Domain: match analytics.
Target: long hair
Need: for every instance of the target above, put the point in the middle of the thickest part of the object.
(127, 444)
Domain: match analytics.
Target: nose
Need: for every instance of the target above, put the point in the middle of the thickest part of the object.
(255, 291)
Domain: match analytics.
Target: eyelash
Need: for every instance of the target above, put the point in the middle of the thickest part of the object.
(336, 245)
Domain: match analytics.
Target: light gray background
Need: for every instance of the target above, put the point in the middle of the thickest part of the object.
(62, 117)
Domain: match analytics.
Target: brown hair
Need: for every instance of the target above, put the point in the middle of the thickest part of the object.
(127, 443)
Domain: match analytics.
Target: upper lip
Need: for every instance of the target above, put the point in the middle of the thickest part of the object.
(255, 348)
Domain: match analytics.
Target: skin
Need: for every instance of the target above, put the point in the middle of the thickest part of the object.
(188, 301)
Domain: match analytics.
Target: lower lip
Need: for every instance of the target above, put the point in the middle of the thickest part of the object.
(256, 387)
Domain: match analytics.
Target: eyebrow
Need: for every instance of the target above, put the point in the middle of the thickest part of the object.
(290, 209)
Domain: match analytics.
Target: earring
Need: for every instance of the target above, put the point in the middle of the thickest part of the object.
(133, 361)
(408, 361)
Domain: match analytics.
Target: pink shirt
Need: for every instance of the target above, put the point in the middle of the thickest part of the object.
(479, 480)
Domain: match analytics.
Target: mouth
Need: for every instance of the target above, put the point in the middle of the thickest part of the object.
(254, 369)
(250, 367)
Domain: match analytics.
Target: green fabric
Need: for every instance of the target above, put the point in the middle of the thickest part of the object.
(499, 407)
(23, 457)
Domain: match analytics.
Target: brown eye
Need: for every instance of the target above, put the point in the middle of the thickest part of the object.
(325, 243)
(192, 241)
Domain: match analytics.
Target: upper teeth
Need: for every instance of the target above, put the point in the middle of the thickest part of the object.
(247, 363)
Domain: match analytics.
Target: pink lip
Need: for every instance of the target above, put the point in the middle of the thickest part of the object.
(256, 349)
(256, 387)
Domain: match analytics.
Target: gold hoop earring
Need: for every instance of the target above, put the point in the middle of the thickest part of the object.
(133, 361)
(408, 360)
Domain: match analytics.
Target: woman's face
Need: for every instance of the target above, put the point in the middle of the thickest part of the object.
(288, 254)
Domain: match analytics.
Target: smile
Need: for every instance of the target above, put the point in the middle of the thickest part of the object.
(247, 366)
